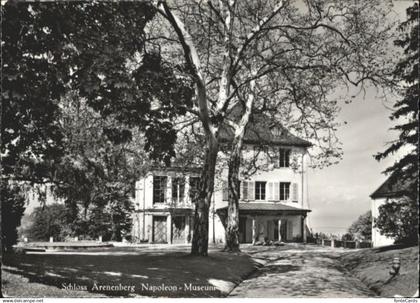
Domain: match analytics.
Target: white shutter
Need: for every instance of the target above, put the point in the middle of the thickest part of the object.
(295, 192)
(276, 191)
(276, 158)
(270, 191)
(251, 190)
(244, 189)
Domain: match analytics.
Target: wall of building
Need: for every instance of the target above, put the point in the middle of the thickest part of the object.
(296, 174)
(268, 172)
(377, 238)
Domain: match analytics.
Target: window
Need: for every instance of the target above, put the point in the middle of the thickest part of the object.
(260, 190)
(178, 189)
(159, 188)
(194, 184)
(284, 157)
(284, 191)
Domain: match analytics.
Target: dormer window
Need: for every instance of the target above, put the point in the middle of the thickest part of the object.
(284, 157)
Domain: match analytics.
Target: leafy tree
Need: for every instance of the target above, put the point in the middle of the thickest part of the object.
(97, 173)
(269, 55)
(48, 221)
(399, 217)
(347, 237)
(97, 50)
(362, 227)
(12, 208)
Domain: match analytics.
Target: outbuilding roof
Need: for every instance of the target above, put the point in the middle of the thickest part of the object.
(391, 188)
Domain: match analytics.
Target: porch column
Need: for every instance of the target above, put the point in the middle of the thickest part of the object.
(304, 228)
(169, 229)
(150, 228)
(279, 225)
(253, 230)
(187, 190)
(187, 228)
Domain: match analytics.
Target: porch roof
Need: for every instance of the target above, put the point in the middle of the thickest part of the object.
(267, 208)
(168, 210)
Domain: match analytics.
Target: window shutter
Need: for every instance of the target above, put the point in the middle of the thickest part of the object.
(294, 192)
(244, 189)
(251, 190)
(270, 193)
(276, 158)
(225, 191)
(276, 191)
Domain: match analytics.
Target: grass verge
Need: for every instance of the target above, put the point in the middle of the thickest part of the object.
(141, 273)
(372, 267)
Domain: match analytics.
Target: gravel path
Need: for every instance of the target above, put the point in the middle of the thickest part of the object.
(299, 271)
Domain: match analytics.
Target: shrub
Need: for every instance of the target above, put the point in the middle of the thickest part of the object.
(361, 229)
(12, 208)
(48, 221)
(400, 220)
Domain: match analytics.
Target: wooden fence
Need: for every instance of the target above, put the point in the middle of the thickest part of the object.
(344, 244)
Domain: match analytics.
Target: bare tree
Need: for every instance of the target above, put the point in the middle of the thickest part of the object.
(276, 57)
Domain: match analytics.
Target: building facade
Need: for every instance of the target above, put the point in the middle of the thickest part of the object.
(273, 202)
(386, 192)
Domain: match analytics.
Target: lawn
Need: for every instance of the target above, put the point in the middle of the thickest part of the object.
(372, 266)
(126, 272)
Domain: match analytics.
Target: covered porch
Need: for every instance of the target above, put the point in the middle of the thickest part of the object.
(262, 222)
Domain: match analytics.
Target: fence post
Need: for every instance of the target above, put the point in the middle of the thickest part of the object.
(51, 239)
(322, 242)
(332, 243)
(100, 238)
(357, 244)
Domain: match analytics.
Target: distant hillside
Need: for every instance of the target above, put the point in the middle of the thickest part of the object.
(372, 266)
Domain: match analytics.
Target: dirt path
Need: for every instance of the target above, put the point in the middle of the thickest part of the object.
(299, 271)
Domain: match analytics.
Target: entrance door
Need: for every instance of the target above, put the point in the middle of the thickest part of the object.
(283, 230)
(178, 229)
(159, 229)
(242, 229)
(276, 230)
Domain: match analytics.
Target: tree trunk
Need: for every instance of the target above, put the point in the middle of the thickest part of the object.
(232, 228)
(200, 239)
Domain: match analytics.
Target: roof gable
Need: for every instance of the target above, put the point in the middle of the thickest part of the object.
(261, 131)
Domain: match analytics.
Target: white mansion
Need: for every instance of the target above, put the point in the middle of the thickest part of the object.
(273, 201)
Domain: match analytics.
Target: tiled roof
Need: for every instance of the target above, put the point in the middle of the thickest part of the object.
(391, 188)
(260, 130)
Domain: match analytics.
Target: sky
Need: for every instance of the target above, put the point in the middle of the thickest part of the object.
(339, 194)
